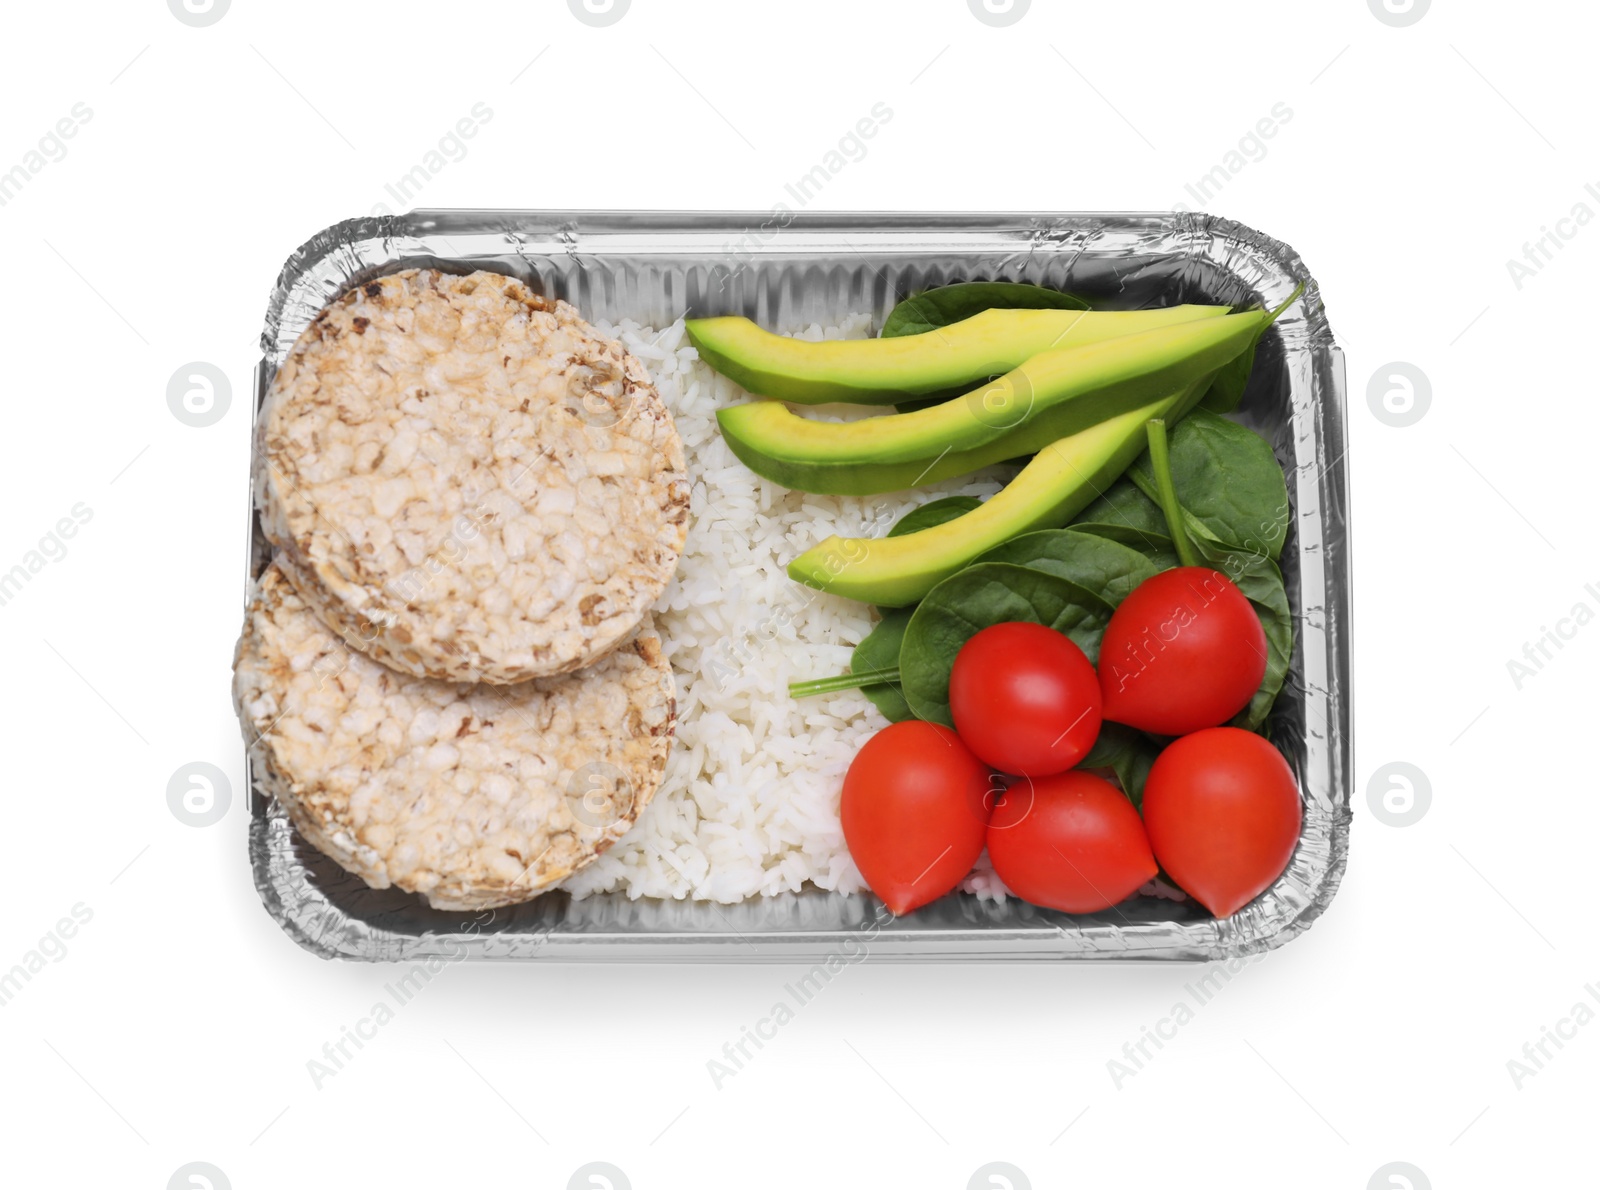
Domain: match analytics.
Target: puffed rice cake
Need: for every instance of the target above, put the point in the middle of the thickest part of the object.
(474, 796)
(469, 482)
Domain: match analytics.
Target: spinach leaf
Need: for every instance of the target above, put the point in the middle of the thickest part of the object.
(1126, 752)
(1125, 514)
(1112, 741)
(951, 303)
(1228, 481)
(1228, 385)
(1124, 503)
(973, 599)
(1109, 569)
(933, 513)
(1272, 607)
(1133, 767)
(1262, 584)
(879, 650)
(1157, 551)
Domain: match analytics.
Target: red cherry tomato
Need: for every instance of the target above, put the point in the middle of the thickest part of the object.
(1070, 842)
(915, 806)
(1025, 699)
(1223, 813)
(1184, 651)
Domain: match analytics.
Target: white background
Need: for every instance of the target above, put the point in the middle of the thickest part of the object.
(178, 1025)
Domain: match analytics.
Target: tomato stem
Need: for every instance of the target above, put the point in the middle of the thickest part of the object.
(1161, 463)
(850, 681)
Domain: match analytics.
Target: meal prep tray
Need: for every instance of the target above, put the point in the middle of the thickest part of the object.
(781, 270)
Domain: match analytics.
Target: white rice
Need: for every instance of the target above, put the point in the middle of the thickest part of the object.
(750, 803)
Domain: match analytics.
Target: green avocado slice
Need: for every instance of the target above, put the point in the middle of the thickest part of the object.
(1060, 481)
(884, 371)
(1054, 395)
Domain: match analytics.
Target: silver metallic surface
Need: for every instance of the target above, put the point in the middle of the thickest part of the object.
(780, 269)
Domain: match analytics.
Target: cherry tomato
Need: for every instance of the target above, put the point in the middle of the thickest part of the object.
(915, 806)
(1070, 842)
(1223, 813)
(1184, 651)
(1025, 699)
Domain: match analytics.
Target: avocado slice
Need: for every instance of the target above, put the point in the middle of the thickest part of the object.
(884, 371)
(1060, 481)
(1054, 395)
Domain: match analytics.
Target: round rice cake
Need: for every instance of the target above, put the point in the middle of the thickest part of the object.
(469, 482)
(474, 796)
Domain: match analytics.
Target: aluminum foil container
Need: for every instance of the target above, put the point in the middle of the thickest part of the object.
(779, 269)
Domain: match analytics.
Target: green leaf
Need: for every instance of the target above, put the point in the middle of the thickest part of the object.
(1108, 568)
(1262, 584)
(1228, 385)
(1113, 740)
(951, 303)
(880, 649)
(1278, 623)
(1228, 481)
(974, 599)
(1126, 752)
(1126, 515)
(933, 514)
(1133, 767)
(1125, 505)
